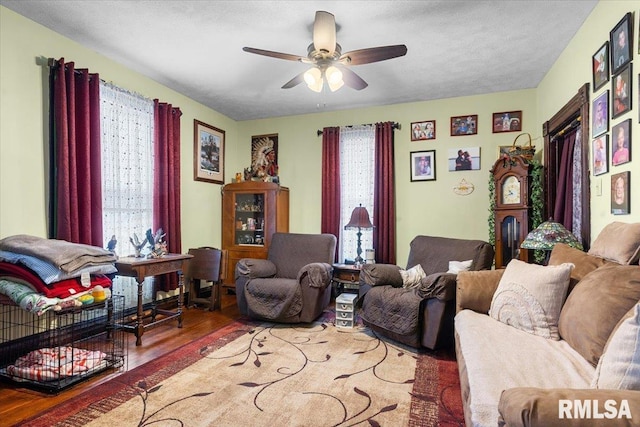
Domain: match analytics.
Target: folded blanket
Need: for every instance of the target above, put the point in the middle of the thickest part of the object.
(47, 364)
(61, 289)
(65, 255)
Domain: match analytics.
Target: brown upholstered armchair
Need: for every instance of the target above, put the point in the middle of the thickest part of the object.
(420, 315)
(293, 284)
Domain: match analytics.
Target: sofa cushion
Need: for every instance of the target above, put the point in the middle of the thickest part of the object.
(530, 296)
(619, 365)
(584, 263)
(595, 306)
(619, 242)
(411, 278)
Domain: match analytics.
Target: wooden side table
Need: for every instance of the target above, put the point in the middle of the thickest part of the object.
(140, 268)
(346, 278)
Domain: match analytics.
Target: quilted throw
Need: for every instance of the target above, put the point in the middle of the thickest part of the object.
(48, 364)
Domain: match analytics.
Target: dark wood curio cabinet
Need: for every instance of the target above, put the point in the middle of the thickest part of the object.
(251, 212)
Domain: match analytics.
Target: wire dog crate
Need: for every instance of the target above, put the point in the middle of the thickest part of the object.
(60, 348)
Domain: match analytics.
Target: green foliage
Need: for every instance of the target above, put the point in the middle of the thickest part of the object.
(492, 212)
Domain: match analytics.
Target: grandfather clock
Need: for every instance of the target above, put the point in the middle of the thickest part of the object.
(512, 178)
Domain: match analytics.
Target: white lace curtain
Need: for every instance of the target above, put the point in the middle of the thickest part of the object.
(357, 158)
(127, 125)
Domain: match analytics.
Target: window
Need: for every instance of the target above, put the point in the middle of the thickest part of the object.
(357, 174)
(127, 125)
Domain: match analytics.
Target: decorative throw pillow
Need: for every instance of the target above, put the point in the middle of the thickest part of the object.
(411, 278)
(596, 305)
(530, 296)
(584, 263)
(456, 267)
(619, 365)
(619, 242)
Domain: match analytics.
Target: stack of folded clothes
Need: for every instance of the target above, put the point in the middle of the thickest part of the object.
(41, 274)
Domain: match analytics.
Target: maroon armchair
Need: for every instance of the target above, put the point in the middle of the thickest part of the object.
(421, 315)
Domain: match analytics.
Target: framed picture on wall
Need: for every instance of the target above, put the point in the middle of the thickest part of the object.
(600, 154)
(464, 159)
(421, 131)
(620, 193)
(208, 153)
(464, 125)
(621, 92)
(600, 112)
(600, 62)
(621, 39)
(621, 143)
(507, 121)
(423, 165)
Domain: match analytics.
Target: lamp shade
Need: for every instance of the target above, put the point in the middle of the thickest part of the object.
(359, 219)
(547, 235)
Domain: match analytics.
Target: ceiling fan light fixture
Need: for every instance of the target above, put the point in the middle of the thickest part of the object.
(313, 79)
(334, 78)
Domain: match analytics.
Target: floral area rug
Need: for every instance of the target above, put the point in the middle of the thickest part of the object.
(263, 374)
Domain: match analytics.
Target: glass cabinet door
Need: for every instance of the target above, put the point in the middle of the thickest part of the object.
(249, 219)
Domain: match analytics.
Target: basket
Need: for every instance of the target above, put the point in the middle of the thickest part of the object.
(527, 151)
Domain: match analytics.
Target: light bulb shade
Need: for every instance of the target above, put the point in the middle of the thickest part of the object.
(359, 219)
(334, 78)
(313, 78)
(547, 235)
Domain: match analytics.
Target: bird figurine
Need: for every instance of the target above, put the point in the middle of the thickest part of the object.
(156, 244)
(137, 245)
(111, 244)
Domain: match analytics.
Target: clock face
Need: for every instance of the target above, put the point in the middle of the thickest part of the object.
(511, 191)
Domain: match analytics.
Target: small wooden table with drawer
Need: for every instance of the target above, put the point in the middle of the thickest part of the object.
(346, 278)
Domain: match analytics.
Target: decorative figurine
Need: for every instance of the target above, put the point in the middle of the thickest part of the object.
(137, 245)
(156, 244)
(111, 244)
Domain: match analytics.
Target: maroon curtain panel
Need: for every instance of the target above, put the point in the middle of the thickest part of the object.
(384, 212)
(166, 175)
(331, 181)
(76, 174)
(563, 209)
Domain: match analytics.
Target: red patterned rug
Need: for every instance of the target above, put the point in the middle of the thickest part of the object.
(251, 373)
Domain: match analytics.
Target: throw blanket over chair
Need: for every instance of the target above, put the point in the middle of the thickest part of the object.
(293, 284)
(417, 308)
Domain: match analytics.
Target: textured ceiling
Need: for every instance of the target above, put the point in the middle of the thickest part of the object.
(455, 48)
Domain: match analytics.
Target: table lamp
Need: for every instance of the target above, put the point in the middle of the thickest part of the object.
(359, 220)
(547, 235)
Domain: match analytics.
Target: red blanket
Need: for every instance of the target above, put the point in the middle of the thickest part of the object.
(61, 289)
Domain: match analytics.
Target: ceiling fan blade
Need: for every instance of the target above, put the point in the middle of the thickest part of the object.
(352, 80)
(374, 54)
(272, 54)
(294, 81)
(324, 32)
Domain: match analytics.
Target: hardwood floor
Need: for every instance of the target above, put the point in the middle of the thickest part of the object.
(18, 404)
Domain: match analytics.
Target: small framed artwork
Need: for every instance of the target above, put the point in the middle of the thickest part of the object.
(421, 131)
(600, 154)
(264, 157)
(208, 153)
(423, 165)
(600, 112)
(600, 62)
(621, 143)
(508, 121)
(621, 92)
(620, 193)
(621, 39)
(464, 125)
(464, 159)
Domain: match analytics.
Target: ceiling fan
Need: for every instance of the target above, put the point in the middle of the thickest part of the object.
(327, 60)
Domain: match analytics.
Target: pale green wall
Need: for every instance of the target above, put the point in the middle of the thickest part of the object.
(573, 70)
(422, 207)
(24, 134)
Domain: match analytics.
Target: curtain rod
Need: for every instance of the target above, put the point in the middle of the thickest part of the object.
(574, 124)
(394, 125)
